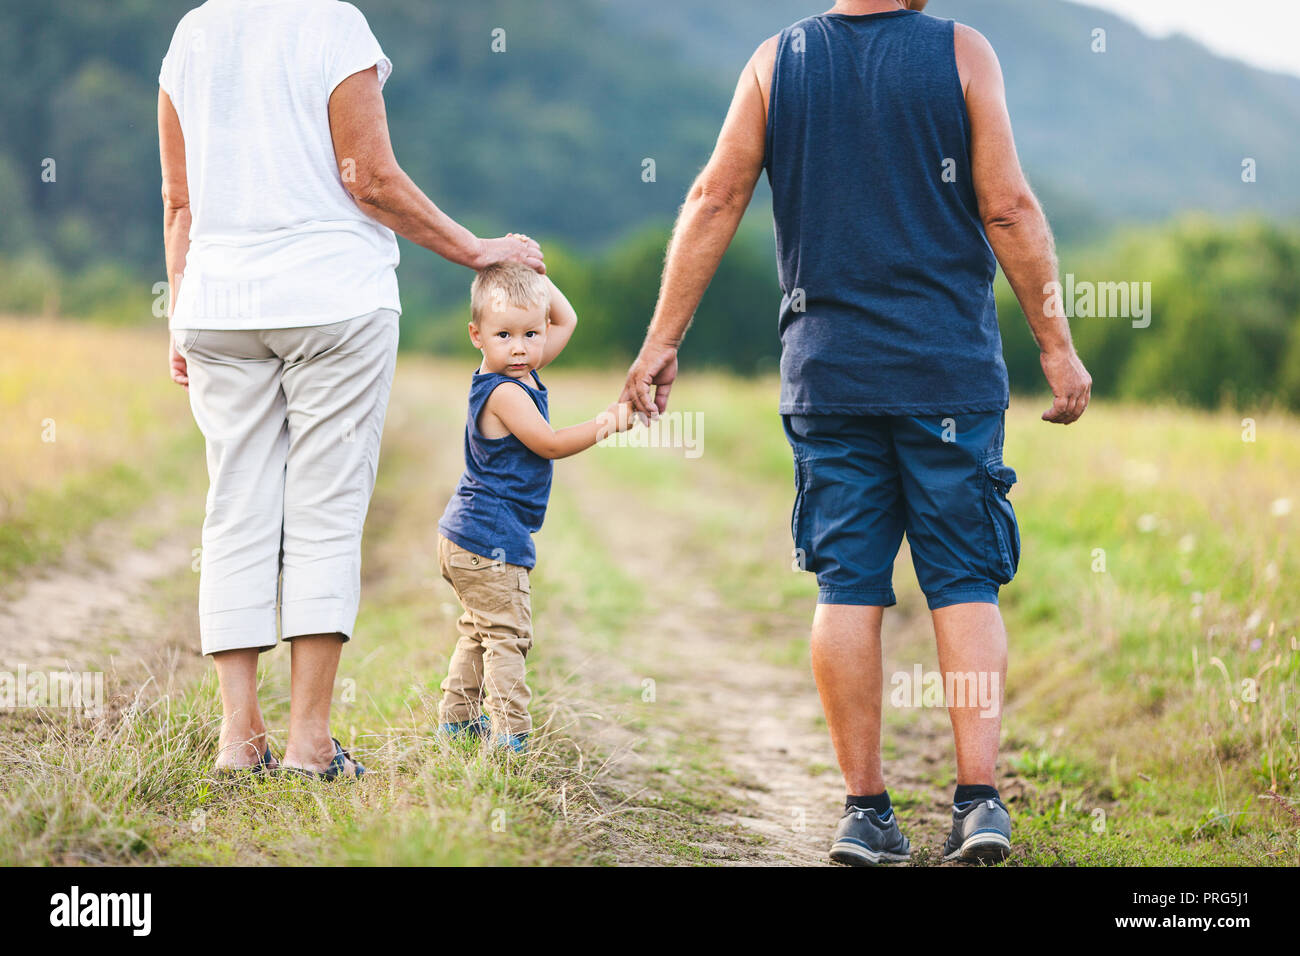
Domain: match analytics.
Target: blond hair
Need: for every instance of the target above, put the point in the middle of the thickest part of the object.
(506, 283)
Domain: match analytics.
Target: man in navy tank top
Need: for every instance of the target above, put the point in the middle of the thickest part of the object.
(896, 192)
(521, 322)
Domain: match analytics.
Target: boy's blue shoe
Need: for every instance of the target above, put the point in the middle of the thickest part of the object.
(516, 742)
(474, 728)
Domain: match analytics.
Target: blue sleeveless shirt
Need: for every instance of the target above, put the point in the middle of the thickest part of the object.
(501, 499)
(886, 271)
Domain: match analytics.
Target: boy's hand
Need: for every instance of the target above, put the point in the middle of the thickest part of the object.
(617, 418)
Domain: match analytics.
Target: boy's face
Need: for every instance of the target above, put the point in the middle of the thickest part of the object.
(512, 339)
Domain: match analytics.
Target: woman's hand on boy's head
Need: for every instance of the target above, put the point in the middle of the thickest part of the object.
(510, 248)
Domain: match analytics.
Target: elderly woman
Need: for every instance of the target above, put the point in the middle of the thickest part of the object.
(281, 199)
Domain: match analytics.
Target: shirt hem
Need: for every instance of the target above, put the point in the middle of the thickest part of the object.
(872, 408)
(483, 550)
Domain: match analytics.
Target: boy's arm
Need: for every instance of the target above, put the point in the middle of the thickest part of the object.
(563, 320)
(518, 413)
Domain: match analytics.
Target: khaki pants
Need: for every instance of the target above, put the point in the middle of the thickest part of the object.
(292, 419)
(496, 632)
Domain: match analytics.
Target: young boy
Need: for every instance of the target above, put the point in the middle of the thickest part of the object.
(520, 322)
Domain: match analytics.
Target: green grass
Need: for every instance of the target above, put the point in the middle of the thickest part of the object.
(1127, 688)
(136, 786)
(48, 519)
(91, 428)
(1151, 705)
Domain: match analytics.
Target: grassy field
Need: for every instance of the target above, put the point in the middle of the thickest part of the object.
(1152, 694)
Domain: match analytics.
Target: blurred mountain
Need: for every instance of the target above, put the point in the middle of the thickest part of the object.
(551, 136)
(1149, 128)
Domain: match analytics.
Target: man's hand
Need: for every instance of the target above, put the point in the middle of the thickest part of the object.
(655, 366)
(510, 248)
(179, 369)
(1070, 383)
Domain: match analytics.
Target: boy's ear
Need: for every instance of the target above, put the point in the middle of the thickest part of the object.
(473, 336)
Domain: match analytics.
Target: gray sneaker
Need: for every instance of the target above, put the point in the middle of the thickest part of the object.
(862, 839)
(981, 833)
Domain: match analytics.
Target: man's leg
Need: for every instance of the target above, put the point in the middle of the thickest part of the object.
(847, 523)
(965, 546)
(846, 664)
(973, 641)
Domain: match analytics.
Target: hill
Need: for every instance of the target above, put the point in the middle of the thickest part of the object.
(550, 136)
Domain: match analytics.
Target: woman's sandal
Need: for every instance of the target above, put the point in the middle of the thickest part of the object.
(336, 767)
(262, 766)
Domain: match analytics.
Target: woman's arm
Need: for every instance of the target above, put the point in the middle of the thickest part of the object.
(563, 320)
(364, 152)
(176, 216)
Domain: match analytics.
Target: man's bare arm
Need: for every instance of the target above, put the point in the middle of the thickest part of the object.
(1016, 226)
(705, 227)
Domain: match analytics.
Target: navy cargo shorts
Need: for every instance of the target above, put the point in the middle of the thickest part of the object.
(862, 481)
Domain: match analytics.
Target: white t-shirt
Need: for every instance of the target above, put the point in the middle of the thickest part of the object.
(276, 240)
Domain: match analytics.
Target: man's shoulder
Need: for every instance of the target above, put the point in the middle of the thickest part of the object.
(971, 41)
(975, 55)
(767, 50)
(763, 63)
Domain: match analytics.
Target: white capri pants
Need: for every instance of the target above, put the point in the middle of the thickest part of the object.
(292, 419)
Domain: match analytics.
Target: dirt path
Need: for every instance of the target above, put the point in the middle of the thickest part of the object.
(122, 599)
(95, 609)
(765, 717)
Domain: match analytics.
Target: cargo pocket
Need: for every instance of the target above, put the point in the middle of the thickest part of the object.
(1005, 558)
(482, 584)
(524, 603)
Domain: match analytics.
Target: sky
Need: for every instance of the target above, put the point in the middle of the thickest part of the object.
(1264, 33)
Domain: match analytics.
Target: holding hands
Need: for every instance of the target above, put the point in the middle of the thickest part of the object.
(655, 367)
(619, 417)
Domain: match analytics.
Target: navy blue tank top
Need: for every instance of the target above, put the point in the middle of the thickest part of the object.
(886, 271)
(501, 499)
